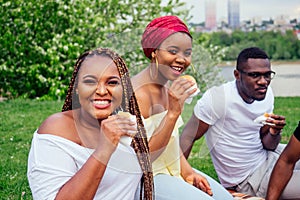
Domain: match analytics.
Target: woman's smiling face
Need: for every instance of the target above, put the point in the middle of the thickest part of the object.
(99, 86)
(174, 55)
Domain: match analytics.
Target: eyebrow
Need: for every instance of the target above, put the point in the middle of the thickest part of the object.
(95, 77)
(118, 77)
(89, 76)
(259, 72)
(176, 47)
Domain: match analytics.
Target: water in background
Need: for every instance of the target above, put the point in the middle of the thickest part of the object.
(285, 83)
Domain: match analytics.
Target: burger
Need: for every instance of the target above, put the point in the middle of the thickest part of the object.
(189, 77)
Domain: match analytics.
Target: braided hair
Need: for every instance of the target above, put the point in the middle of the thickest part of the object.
(129, 104)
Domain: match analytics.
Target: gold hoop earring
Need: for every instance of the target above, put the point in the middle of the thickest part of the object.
(156, 66)
(193, 67)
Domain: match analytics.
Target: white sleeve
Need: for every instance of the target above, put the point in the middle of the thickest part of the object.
(211, 107)
(49, 168)
(271, 94)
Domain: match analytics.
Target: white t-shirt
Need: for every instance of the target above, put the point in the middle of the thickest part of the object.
(53, 160)
(233, 138)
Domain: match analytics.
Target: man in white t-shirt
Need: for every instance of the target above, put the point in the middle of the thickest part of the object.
(243, 150)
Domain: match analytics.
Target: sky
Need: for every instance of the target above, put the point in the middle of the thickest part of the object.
(264, 9)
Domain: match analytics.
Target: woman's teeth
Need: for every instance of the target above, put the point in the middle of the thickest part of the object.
(177, 68)
(101, 102)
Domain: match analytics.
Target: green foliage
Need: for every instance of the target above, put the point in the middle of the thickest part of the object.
(40, 39)
(204, 66)
(279, 46)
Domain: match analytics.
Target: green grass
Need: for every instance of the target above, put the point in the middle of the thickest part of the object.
(19, 118)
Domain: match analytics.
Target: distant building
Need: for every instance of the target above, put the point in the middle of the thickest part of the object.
(210, 14)
(281, 20)
(234, 14)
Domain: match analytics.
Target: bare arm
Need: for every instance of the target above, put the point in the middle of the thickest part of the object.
(85, 182)
(174, 103)
(270, 135)
(193, 131)
(161, 136)
(283, 169)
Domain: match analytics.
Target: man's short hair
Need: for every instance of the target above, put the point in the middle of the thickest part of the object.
(251, 52)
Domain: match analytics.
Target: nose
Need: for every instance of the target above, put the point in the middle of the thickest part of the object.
(180, 58)
(101, 89)
(263, 80)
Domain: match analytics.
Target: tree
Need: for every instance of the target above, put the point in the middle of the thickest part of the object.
(41, 39)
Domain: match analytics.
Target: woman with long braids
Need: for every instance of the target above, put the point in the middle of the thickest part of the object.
(89, 151)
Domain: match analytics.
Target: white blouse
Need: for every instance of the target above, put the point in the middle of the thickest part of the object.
(53, 160)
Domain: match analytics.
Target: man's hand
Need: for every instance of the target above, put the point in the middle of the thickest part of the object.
(278, 121)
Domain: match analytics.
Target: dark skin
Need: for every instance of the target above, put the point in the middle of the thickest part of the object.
(283, 169)
(155, 94)
(91, 125)
(250, 90)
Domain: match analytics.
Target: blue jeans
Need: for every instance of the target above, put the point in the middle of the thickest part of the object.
(168, 187)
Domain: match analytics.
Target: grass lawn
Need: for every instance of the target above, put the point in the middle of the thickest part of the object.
(19, 118)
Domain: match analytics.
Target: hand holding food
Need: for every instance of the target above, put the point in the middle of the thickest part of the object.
(188, 77)
(126, 140)
(262, 119)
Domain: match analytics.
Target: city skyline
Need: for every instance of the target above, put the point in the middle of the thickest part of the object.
(210, 14)
(249, 9)
(233, 13)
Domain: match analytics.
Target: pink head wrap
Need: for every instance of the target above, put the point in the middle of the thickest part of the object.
(158, 30)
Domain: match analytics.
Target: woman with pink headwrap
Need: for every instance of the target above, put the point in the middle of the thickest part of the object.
(161, 95)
